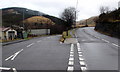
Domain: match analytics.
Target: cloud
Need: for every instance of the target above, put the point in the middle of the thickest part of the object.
(86, 8)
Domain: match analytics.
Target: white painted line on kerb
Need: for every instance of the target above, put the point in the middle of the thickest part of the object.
(30, 44)
(4, 68)
(70, 68)
(14, 70)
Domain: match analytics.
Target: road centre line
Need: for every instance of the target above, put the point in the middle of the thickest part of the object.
(39, 41)
(30, 45)
(14, 55)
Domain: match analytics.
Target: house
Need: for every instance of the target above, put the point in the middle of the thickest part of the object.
(7, 33)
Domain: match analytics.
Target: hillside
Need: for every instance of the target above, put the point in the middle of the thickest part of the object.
(90, 21)
(109, 23)
(16, 16)
(38, 22)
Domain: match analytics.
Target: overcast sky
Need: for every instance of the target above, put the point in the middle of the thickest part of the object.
(86, 8)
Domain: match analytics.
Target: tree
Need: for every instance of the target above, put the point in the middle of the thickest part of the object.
(69, 16)
(104, 9)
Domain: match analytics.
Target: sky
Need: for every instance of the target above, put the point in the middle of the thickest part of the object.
(85, 8)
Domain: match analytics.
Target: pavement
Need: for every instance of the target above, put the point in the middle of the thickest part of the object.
(90, 51)
(12, 42)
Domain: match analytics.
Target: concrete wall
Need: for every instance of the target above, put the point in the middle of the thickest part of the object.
(40, 31)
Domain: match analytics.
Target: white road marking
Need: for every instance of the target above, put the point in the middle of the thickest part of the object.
(82, 63)
(106, 40)
(71, 55)
(14, 70)
(71, 52)
(71, 58)
(72, 47)
(71, 63)
(9, 57)
(80, 55)
(39, 41)
(83, 40)
(98, 37)
(80, 52)
(78, 45)
(80, 58)
(83, 68)
(115, 45)
(14, 55)
(48, 37)
(61, 43)
(70, 68)
(79, 49)
(30, 44)
(4, 68)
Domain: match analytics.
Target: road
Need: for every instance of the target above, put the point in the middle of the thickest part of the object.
(94, 51)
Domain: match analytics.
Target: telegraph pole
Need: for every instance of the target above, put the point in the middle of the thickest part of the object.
(76, 13)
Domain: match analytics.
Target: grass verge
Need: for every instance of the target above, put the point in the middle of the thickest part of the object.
(66, 34)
